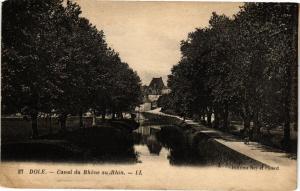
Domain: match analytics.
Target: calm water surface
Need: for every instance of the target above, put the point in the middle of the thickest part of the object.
(149, 148)
(170, 145)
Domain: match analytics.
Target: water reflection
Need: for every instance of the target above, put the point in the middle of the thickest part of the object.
(147, 135)
(183, 146)
(153, 145)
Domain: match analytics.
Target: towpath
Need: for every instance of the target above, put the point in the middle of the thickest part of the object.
(264, 154)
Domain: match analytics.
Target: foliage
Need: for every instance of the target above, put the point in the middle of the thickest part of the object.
(54, 60)
(241, 66)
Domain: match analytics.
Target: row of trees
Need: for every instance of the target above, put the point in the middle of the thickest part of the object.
(244, 66)
(55, 61)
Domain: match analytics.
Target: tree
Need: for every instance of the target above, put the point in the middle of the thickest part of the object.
(28, 33)
(242, 66)
(54, 60)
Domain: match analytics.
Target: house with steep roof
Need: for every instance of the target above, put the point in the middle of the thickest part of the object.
(152, 92)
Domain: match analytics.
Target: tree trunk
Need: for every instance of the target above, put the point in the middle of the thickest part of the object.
(183, 116)
(247, 120)
(246, 126)
(286, 135)
(120, 115)
(80, 119)
(225, 117)
(113, 114)
(50, 124)
(63, 122)
(34, 125)
(103, 114)
(217, 118)
(94, 118)
(287, 110)
(198, 117)
(46, 121)
(203, 115)
(256, 126)
(289, 80)
(209, 113)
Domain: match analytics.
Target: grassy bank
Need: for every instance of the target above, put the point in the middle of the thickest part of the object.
(19, 129)
(107, 142)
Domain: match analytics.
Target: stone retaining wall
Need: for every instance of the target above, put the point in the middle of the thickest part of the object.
(206, 146)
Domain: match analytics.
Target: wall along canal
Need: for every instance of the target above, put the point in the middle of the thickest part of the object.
(173, 144)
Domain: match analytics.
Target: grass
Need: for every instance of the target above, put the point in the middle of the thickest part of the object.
(108, 142)
(19, 129)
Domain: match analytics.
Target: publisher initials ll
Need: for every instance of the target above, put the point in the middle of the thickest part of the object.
(20, 171)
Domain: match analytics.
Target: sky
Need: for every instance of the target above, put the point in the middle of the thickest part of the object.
(147, 35)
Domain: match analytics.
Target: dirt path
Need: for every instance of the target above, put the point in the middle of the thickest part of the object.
(257, 151)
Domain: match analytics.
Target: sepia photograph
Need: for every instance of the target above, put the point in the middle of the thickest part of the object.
(149, 95)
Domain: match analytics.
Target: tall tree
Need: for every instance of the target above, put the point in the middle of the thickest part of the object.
(28, 44)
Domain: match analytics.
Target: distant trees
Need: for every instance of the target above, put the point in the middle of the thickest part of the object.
(244, 66)
(53, 60)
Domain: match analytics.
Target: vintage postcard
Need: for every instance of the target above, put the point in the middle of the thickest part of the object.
(149, 95)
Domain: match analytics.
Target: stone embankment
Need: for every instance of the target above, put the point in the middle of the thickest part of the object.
(224, 144)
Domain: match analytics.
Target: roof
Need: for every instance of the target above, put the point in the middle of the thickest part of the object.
(157, 83)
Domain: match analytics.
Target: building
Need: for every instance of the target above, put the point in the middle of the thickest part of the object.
(152, 92)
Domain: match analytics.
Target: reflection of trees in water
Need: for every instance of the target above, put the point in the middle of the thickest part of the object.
(148, 130)
(173, 138)
(147, 136)
(188, 147)
(153, 145)
(144, 130)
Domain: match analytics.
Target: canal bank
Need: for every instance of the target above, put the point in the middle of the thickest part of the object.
(226, 144)
(156, 169)
(107, 141)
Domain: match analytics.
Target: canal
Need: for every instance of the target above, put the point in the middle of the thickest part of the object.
(159, 141)
(160, 154)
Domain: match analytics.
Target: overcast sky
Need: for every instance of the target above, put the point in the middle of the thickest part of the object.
(147, 35)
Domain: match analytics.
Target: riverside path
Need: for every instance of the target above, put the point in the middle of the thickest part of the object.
(264, 154)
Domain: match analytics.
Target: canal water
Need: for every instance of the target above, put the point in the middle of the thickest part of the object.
(148, 148)
(168, 157)
(172, 157)
(169, 144)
